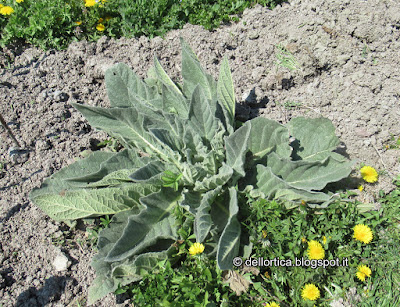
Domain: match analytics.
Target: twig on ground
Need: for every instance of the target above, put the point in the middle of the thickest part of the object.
(9, 131)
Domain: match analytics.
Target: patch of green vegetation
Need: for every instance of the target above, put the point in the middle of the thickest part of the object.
(285, 58)
(111, 144)
(289, 105)
(394, 142)
(285, 234)
(56, 23)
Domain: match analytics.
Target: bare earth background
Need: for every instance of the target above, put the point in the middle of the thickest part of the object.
(349, 71)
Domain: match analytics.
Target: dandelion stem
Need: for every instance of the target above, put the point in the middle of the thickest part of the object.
(9, 131)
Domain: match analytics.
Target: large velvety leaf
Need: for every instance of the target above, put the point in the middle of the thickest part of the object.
(127, 125)
(203, 222)
(126, 89)
(148, 172)
(167, 139)
(174, 102)
(154, 223)
(266, 136)
(114, 179)
(164, 78)
(228, 245)
(201, 115)
(76, 204)
(104, 283)
(89, 171)
(172, 97)
(123, 160)
(316, 138)
(236, 148)
(225, 91)
(193, 74)
(191, 201)
(110, 274)
(59, 181)
(309, 175)
(273, 186)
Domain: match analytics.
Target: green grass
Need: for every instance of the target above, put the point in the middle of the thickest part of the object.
(56, 23)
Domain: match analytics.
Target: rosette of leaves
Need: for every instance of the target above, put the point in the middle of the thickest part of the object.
(182, 152)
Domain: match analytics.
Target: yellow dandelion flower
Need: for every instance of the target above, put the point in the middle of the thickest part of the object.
(324, 240)
(196, 248)
(310, 292)
(78, 22)
(89, 3)
(100, 20)
(19, 1)
(363, 233)
(363, 271)
(6, 10)
(264, 234)
(100, 27)
(369, 174)
(272, 304)
(304, 240)
(266, 274)
(360, 188)
(315, 250)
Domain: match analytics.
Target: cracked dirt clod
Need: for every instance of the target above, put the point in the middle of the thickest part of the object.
(347, 55)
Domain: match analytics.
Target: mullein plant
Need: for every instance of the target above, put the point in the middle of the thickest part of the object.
(185, 166)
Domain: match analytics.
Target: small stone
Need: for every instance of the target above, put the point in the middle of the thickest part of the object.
(18, 155)
(250, 96)
(61, 262)
(36, 282)
(60, 96)
(254, 35)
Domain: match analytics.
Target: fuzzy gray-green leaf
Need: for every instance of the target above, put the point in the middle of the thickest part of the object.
(127, 125)
(225, 91)
(163, 77)
(236, 147)
(266, 136)
(307, 175)
(155, 222)
(315, 137)
(193, 74)
(203, 222)
(151, 171)
(201, 115)
(211, 182)
(76, 204)
(272, 186)
(126, 89)
(174, 102)
(89, 171)
(228, 245)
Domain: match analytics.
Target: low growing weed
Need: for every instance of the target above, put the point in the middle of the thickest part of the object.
(285, 58)
(55, 23)
(287, 235)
